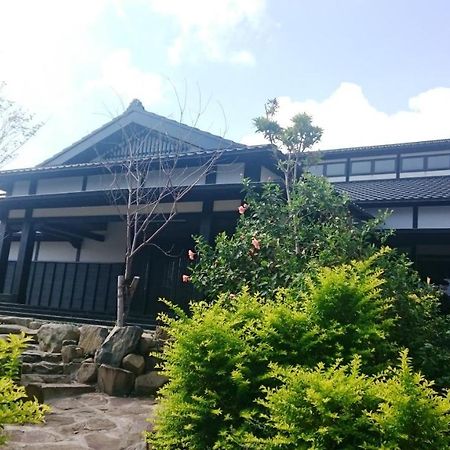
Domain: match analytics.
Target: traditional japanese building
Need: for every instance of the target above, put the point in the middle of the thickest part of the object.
(62, 239)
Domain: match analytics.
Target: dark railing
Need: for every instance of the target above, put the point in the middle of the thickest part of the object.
(89, 289)
(82, 287)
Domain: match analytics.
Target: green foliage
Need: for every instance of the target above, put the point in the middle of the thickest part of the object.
(341, 408)
(15, 408)
(315, 228)
(220, 356)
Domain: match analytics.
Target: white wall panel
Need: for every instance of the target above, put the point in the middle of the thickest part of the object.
(111, 250)
(59, 185)
(434, 217)
(230, 173)
(268, 175)
(226, 205)
(56, 252)
(399, 218)
(20, 187)
(377, 176)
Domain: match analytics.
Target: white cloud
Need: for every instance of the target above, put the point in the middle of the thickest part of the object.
(119, 75)
(206, 28)
(349, 120)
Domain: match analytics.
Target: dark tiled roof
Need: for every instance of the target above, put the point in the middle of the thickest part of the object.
(93, 164)
(399, 146)
(414, 189)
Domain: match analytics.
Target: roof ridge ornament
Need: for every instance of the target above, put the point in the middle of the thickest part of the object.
(136, 105)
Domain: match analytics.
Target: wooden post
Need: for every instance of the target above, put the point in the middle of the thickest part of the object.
(206, 220)
(23, 264)
(5, 244)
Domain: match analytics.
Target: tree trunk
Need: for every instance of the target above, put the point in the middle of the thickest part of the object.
(120, 300)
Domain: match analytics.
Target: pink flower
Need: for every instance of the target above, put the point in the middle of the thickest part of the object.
(256, 243)
(186, 278)
(192, 255)
(243, 208)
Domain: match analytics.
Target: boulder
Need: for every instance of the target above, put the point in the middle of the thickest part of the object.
(149, 383)
(71, 352)
(120, 342)
(147, 344)
(134, 363)
(51, 336)
(115, 381)
(87, 373)
(161, 336)
(92, 337)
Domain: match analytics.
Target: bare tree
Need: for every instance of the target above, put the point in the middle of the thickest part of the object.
(148, 179)
(16, 127)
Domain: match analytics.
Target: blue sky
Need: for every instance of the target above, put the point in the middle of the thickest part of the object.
(369, 71)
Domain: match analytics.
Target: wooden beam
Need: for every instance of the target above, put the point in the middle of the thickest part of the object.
(23, 263)
(72, 233)
(5, 244)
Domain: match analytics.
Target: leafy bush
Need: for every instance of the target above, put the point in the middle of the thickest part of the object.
(317, 226)
(219, 356)
(317, 229)
(339, 407)
(15, 408)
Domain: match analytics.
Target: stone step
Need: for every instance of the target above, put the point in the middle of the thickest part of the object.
(23, 321)
(43, 367)
(35, 356)
(33, 378)
(47, 391)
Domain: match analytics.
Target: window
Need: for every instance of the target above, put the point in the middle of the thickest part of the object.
(438, 162)
(316, 170)
(412, 164)
(384, 166)
(361, 167)
(335, 169)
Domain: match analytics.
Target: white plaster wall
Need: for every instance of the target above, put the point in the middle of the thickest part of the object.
(268, 175)
(226, 205)
(21, 187)
(13, 251)
(336, 179)
(16, 213)
(230, 173)
(399, 219)
(56, 252)
(59, 185)
(375, 176)
(102, 182)
(111, 250)
(434, 217)
(424, 173)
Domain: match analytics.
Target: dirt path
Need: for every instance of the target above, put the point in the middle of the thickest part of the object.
(90, 421)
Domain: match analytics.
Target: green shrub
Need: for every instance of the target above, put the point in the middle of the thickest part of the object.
(219, 357)
(15, 408)
(340, 408)
(318, 229)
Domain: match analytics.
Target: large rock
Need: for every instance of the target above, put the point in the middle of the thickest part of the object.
(87, 373)
(71, 352)
(149, 383)
(120, 342)
(147, 344)
(92, 337)
(51, 336)
(115, 381)
(134, 363)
